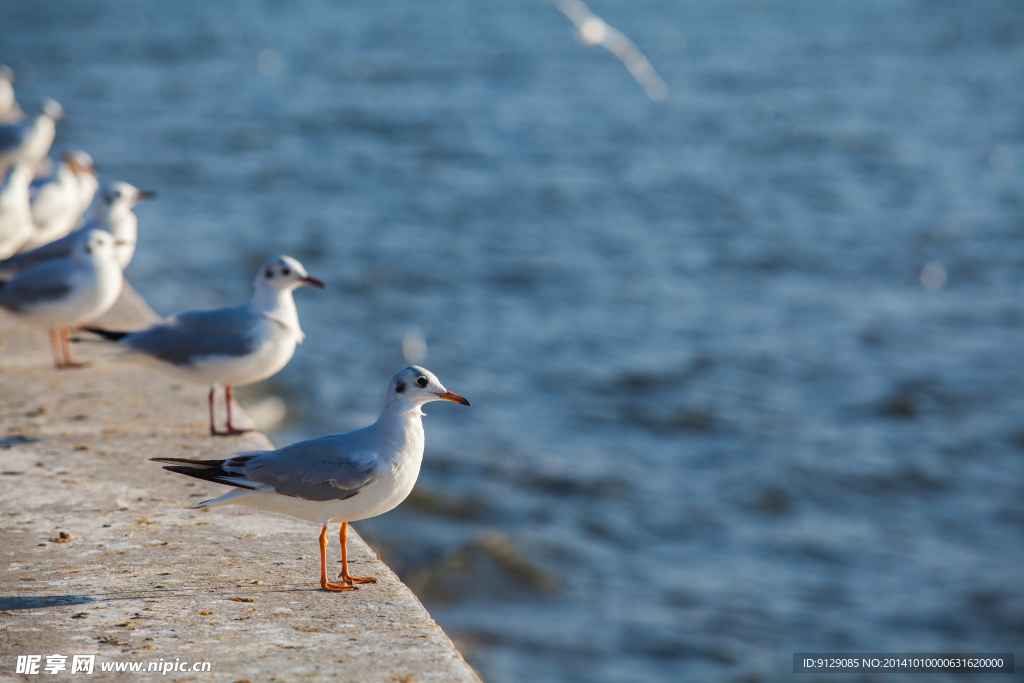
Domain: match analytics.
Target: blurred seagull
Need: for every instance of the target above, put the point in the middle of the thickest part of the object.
(228, 347)
(60, 198)
(339, 478)
(16, 225)
(29, 141)
(65, 292)
(592, 30)
(10, 112)
(113, 214)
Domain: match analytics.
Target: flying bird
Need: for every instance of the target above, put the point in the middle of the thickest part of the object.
(592, 30)
(339, 478)
(227, 347)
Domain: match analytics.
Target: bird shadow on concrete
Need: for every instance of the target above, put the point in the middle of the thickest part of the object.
(41, 601)
(16, 441)
(23, 602)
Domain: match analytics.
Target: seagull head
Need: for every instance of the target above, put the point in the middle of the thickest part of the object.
(415, 386)
(81, 163)
(284, 272)
(52, 109)
(6, 73)
(94, 244)
(123, 195)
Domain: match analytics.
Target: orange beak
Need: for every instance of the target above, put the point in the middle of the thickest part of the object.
(454, 398)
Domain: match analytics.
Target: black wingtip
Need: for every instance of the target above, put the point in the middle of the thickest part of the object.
(207, 470)
(107, 334)
(190, 463)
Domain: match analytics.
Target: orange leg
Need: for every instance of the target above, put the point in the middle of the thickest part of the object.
(229, 397)
(213, 412)
(58, 355)
(344, 560)
(65, 344)
(333, 587)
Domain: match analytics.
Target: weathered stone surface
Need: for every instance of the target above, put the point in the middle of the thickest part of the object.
(143, 579)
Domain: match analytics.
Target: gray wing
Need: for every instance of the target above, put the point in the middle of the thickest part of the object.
(35, 286)
(327, 468)
(54, 250)
(11, 137)
(189, 337)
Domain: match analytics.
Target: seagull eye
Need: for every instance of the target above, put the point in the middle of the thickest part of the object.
(422, 381)
(286, 272)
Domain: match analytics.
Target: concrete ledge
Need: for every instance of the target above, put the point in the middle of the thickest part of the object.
(143, 579)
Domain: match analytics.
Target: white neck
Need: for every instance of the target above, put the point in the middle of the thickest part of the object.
(21, 175)
(87, 187)
(45, 127)
(6, 96)
(65, 174)
(277, 305)
(398, 406)
(400, 422)
(123, 224)
(15, 191)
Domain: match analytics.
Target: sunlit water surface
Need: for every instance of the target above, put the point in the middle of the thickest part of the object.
(717, 416)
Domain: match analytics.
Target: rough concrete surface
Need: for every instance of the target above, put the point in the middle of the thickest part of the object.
(143, 579)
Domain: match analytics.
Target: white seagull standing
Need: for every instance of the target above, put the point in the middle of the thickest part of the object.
(61, 198)
(228, 347)
(339, 478)
(29, 141)
(113, 214)
(65, 292)
(10, 112)
(16, 225)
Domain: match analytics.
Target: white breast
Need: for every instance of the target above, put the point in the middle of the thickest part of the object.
(93, 291)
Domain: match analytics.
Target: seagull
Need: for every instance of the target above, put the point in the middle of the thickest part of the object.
(10, 112)
(16, 225)
(60, 198)
(29, 141)
(592, 30)
(338, 478)
(113, 214)
(228, 347)
(65, 292)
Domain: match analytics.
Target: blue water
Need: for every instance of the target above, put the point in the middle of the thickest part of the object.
(717, 416)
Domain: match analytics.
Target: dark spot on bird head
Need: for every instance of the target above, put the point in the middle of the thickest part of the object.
(269, 273)
(400, 388)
